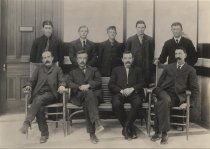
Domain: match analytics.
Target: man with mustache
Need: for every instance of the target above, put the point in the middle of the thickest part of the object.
(126, 84)
(174, 81)
(46, 82)
(85, 82)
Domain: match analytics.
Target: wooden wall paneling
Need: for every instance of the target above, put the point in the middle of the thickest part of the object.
(11, 88)
(27, 19)
(57, 18)
(11, 23)
(44, 11)
(18, 33)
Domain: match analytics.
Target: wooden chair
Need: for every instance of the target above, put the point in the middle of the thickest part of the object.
(60, 105)
(106, 106)
(185, 113)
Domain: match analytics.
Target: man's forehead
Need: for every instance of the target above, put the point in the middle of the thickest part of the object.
(82, 55)
(46, 54)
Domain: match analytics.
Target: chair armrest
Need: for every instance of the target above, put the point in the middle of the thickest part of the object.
(150, 90)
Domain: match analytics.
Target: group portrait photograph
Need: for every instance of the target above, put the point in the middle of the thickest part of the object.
(104, 74)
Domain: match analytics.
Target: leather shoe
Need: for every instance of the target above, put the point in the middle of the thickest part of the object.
(164, 139)
(24, 128)
(43, 139)
(93, 139)
(127, 135)
(133, 133)
(155, 137)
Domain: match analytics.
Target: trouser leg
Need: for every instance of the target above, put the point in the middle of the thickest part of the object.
(91, 110)
(135, 101)
(118, 108)
(42, 123)
(162, 121)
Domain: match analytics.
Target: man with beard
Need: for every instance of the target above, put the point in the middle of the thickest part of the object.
(174, 81)
(46, 82)
(126, 84)
(85, 82)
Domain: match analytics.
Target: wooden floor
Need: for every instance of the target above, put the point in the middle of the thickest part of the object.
(111, 137)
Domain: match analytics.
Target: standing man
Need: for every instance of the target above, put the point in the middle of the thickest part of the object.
(174, 81)
(126, 84)
(83, 44)
(110, 53)
(47, 42)
(85, 82)
(45, 84)
(178, 40)
(142, 47)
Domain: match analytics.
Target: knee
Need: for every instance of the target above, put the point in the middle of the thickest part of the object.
(37, 101)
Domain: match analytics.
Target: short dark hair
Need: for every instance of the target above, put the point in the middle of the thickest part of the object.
(176, 24)
(81, 52)
(181, 48)
(140, 22)
(111, 27)
(127, 52)
(47, 22)
(83, 26)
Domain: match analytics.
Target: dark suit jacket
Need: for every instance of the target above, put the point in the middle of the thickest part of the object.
(109, 56)
(39, 45)
(170, 47)
(78, 78)
(118, 80)
(182, 80)
(91, 49)
(143, 54)
(53, 76)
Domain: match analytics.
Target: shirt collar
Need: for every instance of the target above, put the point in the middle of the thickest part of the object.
(81, 40)
(179, 65)
(177, 39)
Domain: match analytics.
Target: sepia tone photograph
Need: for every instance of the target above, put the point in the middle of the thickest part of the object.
(104, 73)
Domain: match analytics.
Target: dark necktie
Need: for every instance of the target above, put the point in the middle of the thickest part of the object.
(84, 45)
(47, 46)
(177, 41)
(179, 67)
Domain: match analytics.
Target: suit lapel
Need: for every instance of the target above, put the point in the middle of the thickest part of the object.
(125, 79)
(79, 45)
(87, 74)
(137, 40)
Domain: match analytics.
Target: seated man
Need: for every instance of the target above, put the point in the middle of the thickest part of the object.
(44, 83)
(126, 84)
(174, 81)
(85, 82)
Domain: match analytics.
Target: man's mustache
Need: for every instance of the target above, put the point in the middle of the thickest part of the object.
(127, 62)
(82, 63)
(178, 58)
(47, 62)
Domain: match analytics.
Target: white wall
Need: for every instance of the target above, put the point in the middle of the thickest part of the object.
(139, 10)
(96, 14)
(204, 22)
